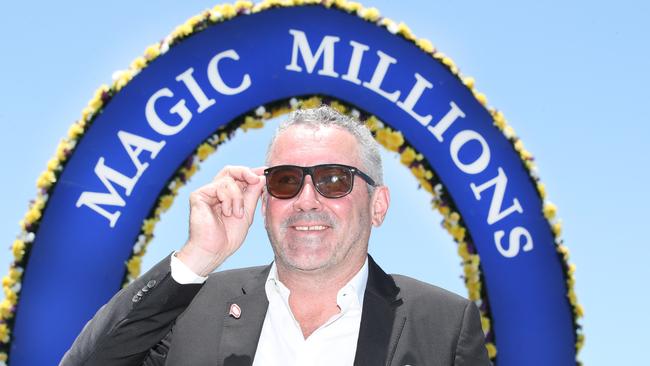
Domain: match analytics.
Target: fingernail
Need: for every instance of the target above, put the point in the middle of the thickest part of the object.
(241, 212)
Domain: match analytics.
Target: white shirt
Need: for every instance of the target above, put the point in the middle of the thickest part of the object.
(282, 342)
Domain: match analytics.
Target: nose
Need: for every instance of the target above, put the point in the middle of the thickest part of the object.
(308, 198)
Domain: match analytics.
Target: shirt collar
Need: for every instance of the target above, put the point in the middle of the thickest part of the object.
(356, 286)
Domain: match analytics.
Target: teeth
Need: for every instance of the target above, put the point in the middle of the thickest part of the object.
(310, 228)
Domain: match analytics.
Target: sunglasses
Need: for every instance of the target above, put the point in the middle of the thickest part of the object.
(330, 180)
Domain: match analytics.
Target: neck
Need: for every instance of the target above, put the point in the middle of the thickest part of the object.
(319, 283)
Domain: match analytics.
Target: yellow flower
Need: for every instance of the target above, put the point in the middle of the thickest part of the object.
(371, 14)
(481, 98)
(405, 31)
(418, 171)
(86, 113)
(447, 61)
(579, 311)
(75, 130)
(338, 106)
(96, 102)
(462, 250)
(152, 52)
(485, 324)
(373, 123)
(178, 183)
(352, 6)
(407, 156)
(46, 179)
(18, 249)
(425, 45)
(166, 202)
(191, 171)
(138, 63)
(123, 78)
(550, 210)
(10, 295)
(454, 216)
(392, 140)
(3, 356)
(541, 188)
(280, 111)
(474, 290)
(518, 145)
(572, 269)
(573, 299)
(426, 186)
(228, 11)
(526, 155)
(182, 31)
(444, 210)
(580, 341)
(499, 120)
(5, 309)
(457, 232)
(243, 5)
(509, 132)
(133, 266)
(469, 82)
(250, 122)
(557, 228)
(564, 250)
(194, 20)
(32, 215)
(14, 273)
(312, 102)
(492, 349)
(7, 281)
(4, 332)
(148, 226)
(204, 151)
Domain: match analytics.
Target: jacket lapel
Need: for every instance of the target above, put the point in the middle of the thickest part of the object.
(381, 324)
(241, 334)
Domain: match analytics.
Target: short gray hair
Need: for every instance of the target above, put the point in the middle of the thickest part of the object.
(325, 116)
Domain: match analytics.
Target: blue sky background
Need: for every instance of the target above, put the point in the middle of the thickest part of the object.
(571, 77)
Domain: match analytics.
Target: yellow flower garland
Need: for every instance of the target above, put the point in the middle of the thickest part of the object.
(392, 140)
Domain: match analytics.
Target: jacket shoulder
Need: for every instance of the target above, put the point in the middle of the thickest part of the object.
(415, 292)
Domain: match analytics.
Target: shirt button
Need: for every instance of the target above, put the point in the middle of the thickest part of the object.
(136, 298)
(151, 284)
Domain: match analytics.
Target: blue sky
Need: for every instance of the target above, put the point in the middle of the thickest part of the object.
(570, 77)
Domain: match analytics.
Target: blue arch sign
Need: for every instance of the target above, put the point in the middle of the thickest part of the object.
(147, 130)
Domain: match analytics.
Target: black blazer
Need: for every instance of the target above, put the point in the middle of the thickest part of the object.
(156, 321)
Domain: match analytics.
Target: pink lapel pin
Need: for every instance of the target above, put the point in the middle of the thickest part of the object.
(235, 311)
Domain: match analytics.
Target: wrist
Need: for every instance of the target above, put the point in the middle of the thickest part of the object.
(200, 261)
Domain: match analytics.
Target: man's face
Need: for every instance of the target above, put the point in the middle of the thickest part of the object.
(310, 232)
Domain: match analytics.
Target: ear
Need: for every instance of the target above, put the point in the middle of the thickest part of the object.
(265, 197)
(380, 203)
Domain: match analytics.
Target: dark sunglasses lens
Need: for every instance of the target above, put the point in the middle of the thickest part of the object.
(284, 182)
(333, 181)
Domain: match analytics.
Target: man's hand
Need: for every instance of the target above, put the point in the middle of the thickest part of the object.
(221, 213)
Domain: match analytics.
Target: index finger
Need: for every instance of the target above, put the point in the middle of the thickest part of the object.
(240, 173)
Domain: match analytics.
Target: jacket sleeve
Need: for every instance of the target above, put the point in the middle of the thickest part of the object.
(470, 348)
(135, 324)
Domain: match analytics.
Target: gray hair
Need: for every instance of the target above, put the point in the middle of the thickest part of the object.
(325, 116)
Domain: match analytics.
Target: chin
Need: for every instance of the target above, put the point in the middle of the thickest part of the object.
(306, 262)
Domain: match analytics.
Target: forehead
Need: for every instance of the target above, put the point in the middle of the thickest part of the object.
(307, 146)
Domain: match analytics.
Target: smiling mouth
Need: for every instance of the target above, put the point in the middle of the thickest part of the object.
(310, 228)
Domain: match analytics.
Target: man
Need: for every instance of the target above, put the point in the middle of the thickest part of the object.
(323, 301)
